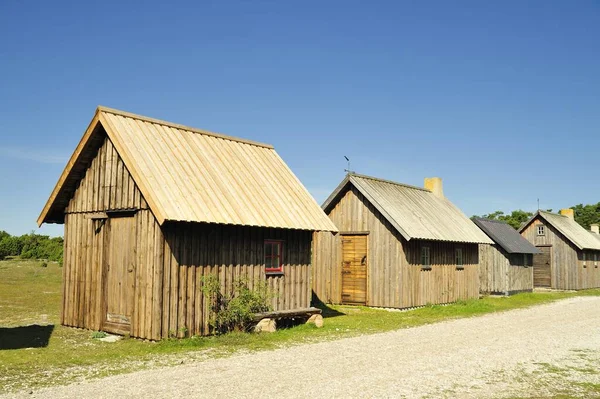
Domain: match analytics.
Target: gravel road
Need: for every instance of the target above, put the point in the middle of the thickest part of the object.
(479, 357)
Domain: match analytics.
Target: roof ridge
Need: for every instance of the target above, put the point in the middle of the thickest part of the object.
(388, 181)
(552, 213)
(491, 220)
(126, 114)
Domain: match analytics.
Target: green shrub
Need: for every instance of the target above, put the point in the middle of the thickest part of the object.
(31, 246)
(99, 334)
(235, 310)
(44, 264)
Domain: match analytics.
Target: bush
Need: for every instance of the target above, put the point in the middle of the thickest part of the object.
(10, 246)
(235, 311)
(99, 334)
(44, 264)
(31, 246)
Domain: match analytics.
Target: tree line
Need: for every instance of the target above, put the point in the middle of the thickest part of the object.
(585, 215)
(31, 246)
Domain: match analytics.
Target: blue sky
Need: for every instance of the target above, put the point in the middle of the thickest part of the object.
(500, 99)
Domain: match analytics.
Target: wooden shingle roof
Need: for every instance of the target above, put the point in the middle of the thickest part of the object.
(191, 175)
(416, 213)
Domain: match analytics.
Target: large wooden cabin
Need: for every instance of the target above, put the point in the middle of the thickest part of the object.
(151, 207)
(569, 253)
(399, 246)
(505, 266)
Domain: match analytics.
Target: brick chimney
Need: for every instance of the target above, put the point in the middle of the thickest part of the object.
(434, 184)
(595, 228)
(570, 213)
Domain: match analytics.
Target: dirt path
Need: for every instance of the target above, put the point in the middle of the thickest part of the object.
(498, 355)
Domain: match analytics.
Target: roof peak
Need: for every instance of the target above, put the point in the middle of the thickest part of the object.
(387, 181)
(126, 114)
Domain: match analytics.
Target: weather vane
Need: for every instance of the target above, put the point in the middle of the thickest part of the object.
(348, 170)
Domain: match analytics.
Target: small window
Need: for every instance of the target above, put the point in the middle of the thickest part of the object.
(459, 258)
(425, 258)
(584, 257)
(527, 260)
(273, 255)
(541, 230)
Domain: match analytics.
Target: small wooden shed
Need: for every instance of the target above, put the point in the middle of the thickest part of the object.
(505, 266)
(569, 253)
(399, 246)
(150, 207)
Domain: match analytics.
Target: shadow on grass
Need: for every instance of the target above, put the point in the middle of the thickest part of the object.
(326, 310)
(33, 336)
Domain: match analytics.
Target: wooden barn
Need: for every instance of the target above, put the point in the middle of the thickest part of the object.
(505, 266)
(151, 207)
(569, 253)
(399, 246)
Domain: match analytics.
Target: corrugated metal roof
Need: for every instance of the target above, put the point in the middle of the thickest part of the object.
(415, 212)
(192, 175)
(596, 236)
(505, 236)
(568, 227)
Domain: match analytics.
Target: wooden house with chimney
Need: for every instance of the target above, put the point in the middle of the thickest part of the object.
(569, 254)
(505, 267)
(398, 246)
(151, 207)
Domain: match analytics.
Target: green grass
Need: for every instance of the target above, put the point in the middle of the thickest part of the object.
(30, 294)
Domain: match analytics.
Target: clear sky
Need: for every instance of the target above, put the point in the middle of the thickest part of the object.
(500, 99)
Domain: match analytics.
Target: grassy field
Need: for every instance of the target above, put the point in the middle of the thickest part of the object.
(36, 351)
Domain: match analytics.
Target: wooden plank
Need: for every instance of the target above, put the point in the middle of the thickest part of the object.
(157, 282)
(166, 301)
(96, 215)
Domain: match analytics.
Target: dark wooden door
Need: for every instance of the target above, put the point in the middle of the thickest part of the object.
(354, 269)
(119, 274)
(541, 268)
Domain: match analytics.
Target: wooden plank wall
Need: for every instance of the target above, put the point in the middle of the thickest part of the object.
(106, 185)
(395, 278)
(170, 261)
(230, 252)
(492, 269)
(502, 273)
(567, 266)
(520, 275)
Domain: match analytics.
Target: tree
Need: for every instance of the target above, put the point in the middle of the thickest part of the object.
(515, 219)
(586, 215)
(10, 246)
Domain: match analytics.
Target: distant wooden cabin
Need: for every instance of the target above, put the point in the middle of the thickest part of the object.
(505, 266)
(151, 207)
(399, 246)
(569, 253)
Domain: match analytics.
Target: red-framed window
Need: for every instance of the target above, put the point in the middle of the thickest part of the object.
(273, 256)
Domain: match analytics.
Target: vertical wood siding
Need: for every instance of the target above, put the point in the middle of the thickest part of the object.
(503, 273)
(567, 265)
(230, 252)
(170, 262)
(395, 276)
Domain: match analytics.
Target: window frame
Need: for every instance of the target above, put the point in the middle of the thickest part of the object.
(425, 257)
(542, 228)
(458, 258)
(584, 258)
(272, 270)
